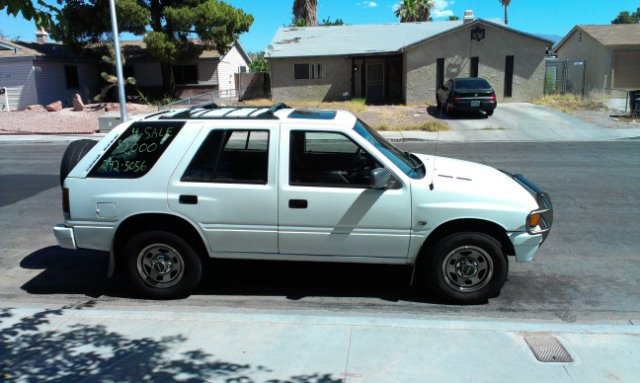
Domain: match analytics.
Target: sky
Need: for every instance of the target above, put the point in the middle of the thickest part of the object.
(542, 17)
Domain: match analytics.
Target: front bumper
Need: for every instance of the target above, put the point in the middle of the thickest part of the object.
(64, 236)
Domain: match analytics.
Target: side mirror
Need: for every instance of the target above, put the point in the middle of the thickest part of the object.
(380, 179)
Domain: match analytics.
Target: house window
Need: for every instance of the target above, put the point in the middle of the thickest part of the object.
(439, 72)
(308, 71)
(473, 72)
(185, 74)
(243, 69)
(71, 75)
(508, 76)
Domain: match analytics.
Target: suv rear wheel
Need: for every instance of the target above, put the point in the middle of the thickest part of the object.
(467, 268)
(162, 265)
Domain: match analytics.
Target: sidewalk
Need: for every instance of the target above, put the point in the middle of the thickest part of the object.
(239, 346)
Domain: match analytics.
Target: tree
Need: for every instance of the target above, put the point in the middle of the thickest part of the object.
(306, 10)
(258, 62)
(112, 81)
(453, 18)
(167, 27)
(626, 18)
(414, 10)
(327, 22)
(37, 10)
(505, 4)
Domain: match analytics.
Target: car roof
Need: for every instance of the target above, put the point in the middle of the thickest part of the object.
(280, 112)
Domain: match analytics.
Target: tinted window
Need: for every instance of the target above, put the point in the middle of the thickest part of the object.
(71, 76)
(300, 71)
(136, 150)
(475, 83)
(328, 159)
(231, 156)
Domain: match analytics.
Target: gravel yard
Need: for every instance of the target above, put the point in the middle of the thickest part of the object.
(65, 121)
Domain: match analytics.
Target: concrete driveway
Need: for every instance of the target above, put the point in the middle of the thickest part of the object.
(519, 122)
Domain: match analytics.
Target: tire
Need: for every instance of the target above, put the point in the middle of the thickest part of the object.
(73, 154)
(489, 113)
(147, 253)
(467, 268)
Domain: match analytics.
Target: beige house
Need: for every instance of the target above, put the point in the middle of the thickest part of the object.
(404, 62)
(210, 71)
(612, 54)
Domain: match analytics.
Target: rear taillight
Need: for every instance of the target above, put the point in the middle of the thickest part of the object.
(65, 203)
(493, 96)
(456, 97)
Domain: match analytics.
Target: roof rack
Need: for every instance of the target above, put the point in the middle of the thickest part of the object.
(200, 112)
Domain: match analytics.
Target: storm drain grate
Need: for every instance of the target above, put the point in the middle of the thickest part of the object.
(548, 349)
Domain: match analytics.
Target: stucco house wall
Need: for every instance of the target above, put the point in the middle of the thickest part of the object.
(337, 79)
(581, 45)
(457, 48)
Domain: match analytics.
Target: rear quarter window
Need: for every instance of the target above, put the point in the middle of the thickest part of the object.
(137, 150)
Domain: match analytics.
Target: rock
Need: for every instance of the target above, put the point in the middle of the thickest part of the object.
(112, 107)
(78, 105)
(35, 108)
(54, 106)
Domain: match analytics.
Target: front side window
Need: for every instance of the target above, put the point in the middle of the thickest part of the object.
(408, 163)
(328, 159)
(136, 150)
(231, 156)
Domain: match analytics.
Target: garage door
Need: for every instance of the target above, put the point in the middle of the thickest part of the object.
(626, 66)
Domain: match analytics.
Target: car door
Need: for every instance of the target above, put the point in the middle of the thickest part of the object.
(226, 184)
(326, 207)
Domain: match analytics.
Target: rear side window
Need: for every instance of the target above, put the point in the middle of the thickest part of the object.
(136, 151)
(231, 156)
(472, 84)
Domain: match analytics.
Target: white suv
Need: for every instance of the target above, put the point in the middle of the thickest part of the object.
(165, 192)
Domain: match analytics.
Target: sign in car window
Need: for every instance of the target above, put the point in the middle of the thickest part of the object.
(135, 152)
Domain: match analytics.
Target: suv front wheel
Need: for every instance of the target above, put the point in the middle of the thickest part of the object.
(162, 265)
(468, 268)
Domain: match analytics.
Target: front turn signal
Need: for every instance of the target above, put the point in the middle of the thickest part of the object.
(533, 220)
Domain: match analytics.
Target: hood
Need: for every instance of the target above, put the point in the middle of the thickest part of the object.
(456, 180)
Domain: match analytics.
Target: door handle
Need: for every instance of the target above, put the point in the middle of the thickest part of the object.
(186, 199)
(298, 203)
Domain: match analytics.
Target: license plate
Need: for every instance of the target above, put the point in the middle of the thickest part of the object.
(475, 103)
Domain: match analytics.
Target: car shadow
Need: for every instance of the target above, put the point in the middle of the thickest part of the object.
(84, 272)
(434, 111)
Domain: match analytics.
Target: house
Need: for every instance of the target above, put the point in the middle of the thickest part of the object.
(41, 73)
(211, 71)
(404, 62)
(611, 52)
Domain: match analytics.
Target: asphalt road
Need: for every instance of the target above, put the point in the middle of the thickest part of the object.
(586, 271)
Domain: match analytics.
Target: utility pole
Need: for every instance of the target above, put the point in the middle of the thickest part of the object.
(116, 48)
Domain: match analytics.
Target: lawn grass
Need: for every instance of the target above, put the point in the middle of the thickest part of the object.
(380, 117)
(569, 103)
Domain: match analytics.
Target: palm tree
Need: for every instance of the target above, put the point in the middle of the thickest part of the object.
(414, 10)
(305, 11)
(505, 3)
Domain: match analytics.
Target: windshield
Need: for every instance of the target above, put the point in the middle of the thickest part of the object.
(407, 162)
(475, 83)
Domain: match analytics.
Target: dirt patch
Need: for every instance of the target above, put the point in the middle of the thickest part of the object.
(65, 121)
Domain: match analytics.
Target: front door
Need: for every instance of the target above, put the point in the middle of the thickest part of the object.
(375, 83)
(326, 207)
